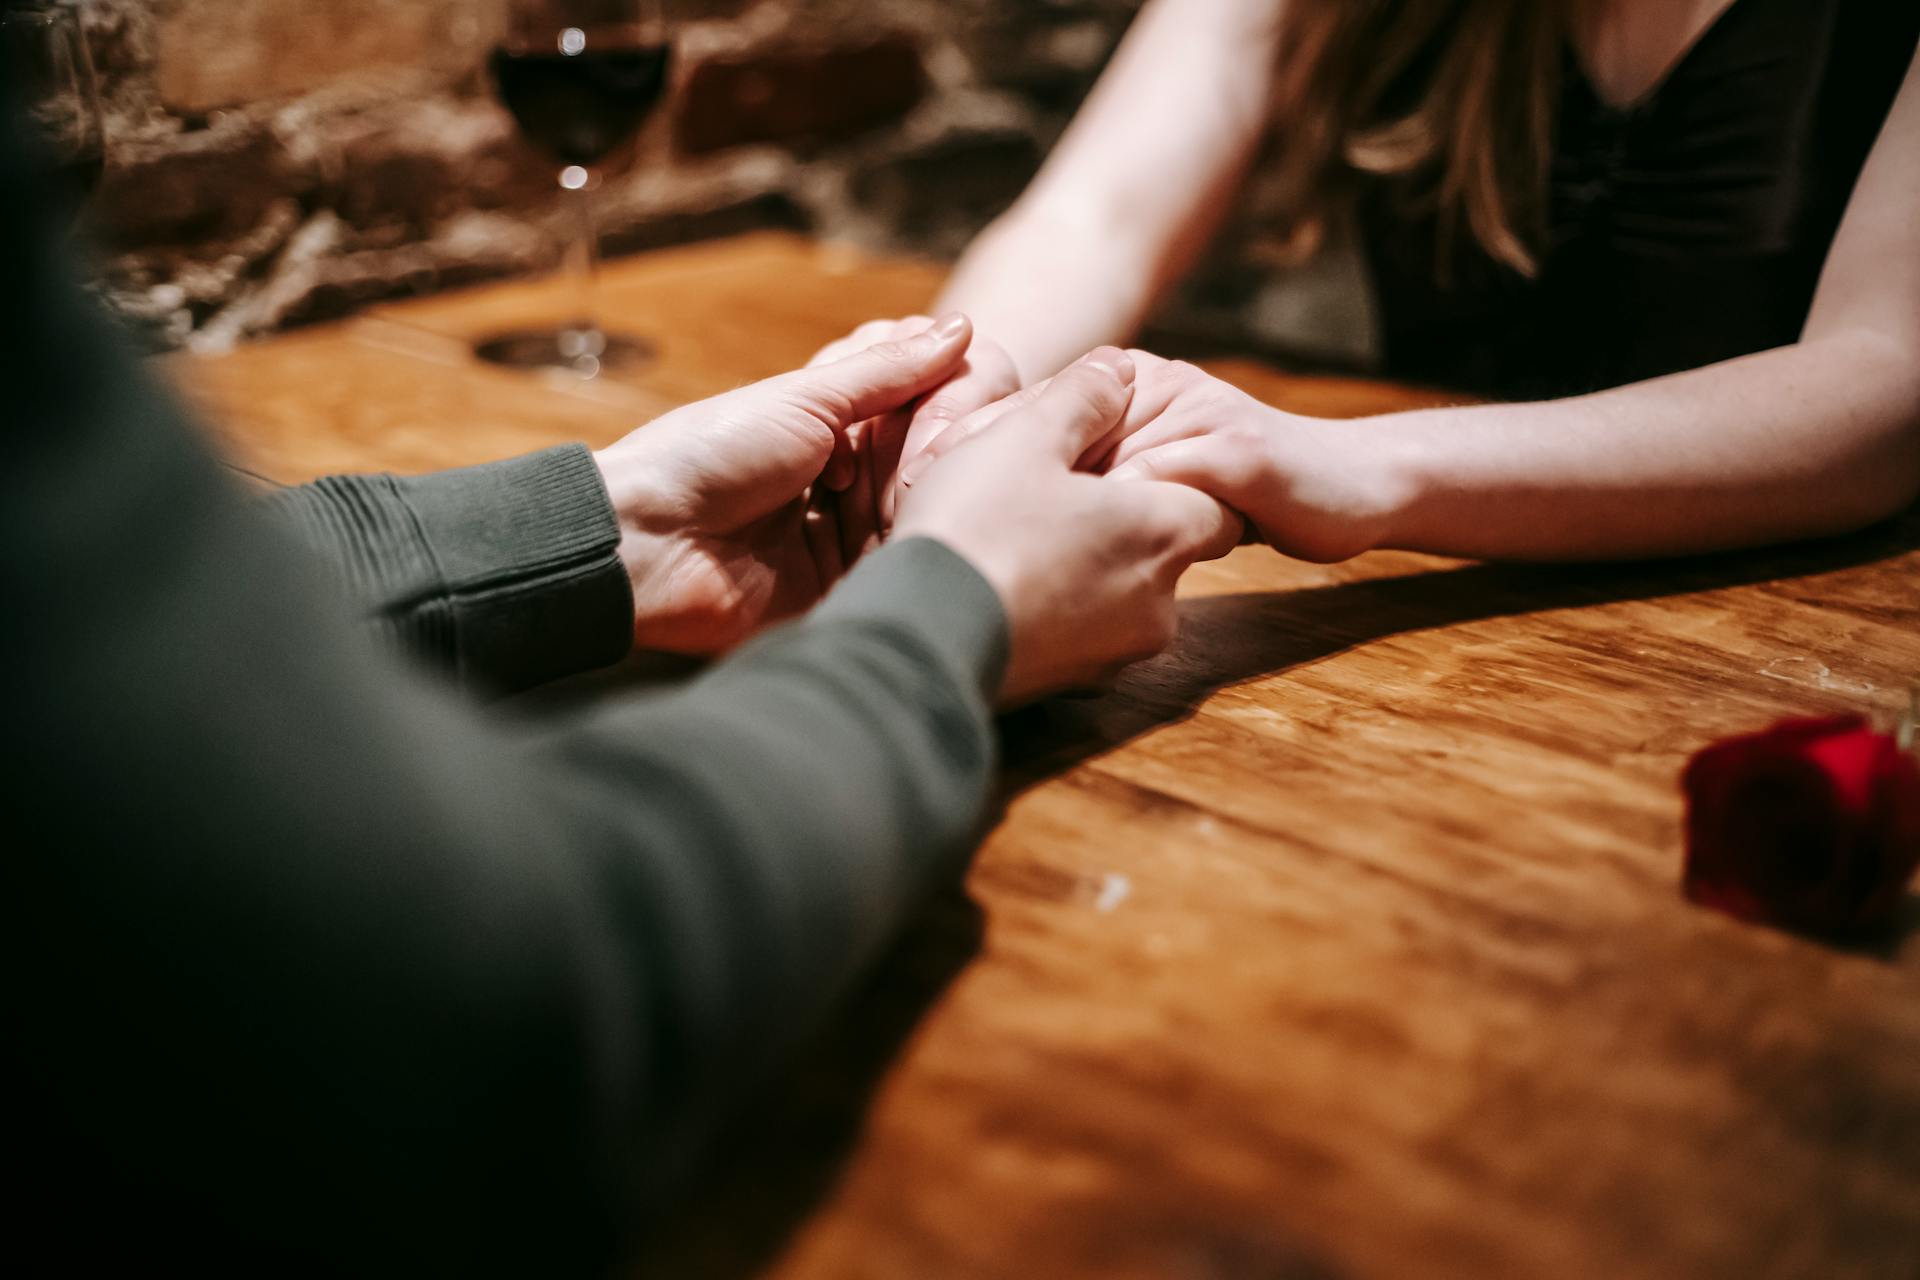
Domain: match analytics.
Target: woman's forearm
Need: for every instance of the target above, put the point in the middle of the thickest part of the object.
(1809, 440)
(1133, 191)
(1049, 288)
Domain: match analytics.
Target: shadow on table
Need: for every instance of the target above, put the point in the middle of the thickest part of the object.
(791, 1150)
(1227, 640)
(788, 1151)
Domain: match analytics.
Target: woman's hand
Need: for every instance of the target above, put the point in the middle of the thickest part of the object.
(1314, 488)
(865, 479)
(722, 528)
(1085, 568)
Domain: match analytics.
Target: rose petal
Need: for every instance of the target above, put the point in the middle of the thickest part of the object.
(1813, 823)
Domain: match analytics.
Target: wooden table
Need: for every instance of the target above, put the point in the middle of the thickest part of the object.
(1342, 941)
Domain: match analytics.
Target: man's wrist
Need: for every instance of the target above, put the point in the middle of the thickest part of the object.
(635, 484)
(650, 522)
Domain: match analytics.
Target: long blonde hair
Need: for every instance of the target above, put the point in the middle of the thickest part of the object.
(1457, 96)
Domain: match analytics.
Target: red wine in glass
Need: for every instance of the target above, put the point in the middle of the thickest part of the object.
(579, 78)
(580, 108)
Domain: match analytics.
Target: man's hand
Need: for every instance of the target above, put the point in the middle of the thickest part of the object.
(1085, 566)
(717, 530)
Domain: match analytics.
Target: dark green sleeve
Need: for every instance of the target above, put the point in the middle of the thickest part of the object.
(323, 968)
(504, 575)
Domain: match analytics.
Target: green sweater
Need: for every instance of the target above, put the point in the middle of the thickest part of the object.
(327, 965)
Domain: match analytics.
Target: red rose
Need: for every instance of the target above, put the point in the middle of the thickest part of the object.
(1814, 824)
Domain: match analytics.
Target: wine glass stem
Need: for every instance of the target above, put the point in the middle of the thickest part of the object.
(584, 268)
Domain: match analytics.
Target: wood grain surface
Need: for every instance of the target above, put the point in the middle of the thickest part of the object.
(1343, 940)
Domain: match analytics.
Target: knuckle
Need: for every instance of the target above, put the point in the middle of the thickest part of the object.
(894, 351)
(1172, 551)
(1096, 392)
(820, 402)
(1239, 464)
(1208, 402)
(1241, 433)
(1186, 375)
(938, 411)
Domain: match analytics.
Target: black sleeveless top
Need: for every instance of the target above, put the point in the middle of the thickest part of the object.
(1686, 229)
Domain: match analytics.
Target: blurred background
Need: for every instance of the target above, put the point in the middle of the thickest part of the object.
(278, 162)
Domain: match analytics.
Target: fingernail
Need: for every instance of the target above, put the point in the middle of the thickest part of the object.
(914, 470)
(949, 326)
(1113, 362)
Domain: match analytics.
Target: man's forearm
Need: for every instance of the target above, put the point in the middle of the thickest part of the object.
(344, 966)
(1134, 189)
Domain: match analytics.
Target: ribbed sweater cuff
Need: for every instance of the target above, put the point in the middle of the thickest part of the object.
(505, 575)
(527, 550)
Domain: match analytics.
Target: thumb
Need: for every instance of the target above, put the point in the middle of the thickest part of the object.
(1193, 526)
(1080, 404)
(1199, 462)
(966, 429)
(884, 376)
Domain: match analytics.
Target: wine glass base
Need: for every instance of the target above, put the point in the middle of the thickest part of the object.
(570, 350)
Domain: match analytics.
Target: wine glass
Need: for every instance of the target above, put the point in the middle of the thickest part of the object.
(46, 72)
(579, 77)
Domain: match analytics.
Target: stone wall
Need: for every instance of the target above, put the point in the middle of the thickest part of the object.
(275, 162)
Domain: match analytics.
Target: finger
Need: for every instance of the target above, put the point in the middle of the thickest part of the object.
(1192, 525)
(822, 532)
(887, 445)
(947, 406)
(857, 517)
(839, 472)
(1086, 401)
(866, 335)
(1080, 405)
(983, 382)
(882, 377)
(1159, 386)
(984, 379)
(874, 380)
(862, 337)
(964, 430)
(1213, 464)
(840, 469)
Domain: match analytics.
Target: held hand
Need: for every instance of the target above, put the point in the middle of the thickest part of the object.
(717, 530)
(865, 479)
(1313, 488)
(1085, 568)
